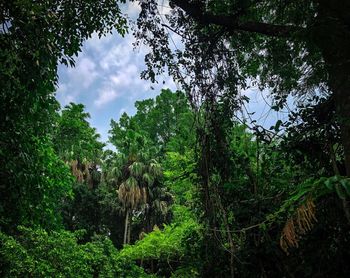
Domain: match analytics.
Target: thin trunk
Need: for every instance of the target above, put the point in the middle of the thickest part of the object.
(129, 230)
(126, 226)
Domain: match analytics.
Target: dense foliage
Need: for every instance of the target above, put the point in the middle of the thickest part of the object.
(193, 189)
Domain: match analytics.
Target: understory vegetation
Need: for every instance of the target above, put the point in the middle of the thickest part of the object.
(194, 187)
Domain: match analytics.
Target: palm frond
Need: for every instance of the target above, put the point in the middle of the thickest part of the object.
(155, 169)
(131, 182)
(148, 179)
(136, 169)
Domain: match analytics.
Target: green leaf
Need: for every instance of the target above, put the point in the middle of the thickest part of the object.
(340, 192)
(346, 185)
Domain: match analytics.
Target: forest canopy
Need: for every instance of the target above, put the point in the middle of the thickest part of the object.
(192, 186)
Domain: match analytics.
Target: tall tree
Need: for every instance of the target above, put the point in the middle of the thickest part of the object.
(159, 125)
(135, 174)
(293, 47)
(35, 36)
(135, 190)
(78, 145)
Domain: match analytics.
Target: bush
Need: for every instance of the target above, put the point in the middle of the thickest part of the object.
(37, 253)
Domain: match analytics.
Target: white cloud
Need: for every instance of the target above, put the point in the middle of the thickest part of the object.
(68, 99)
(119, 55)
(126, 76)
(63, 96)
(97, 44)
(133, 10)
(107, 77)
(84, 74)
(105, 96)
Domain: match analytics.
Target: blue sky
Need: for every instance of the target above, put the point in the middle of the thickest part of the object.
(106, 79)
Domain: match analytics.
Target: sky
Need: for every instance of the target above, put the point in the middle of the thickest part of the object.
(106, 79)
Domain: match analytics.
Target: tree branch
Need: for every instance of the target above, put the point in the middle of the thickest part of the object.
(232, 23)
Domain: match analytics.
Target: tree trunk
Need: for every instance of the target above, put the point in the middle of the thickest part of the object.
(129, 230)
(126, 226)
(342, 101)
(332, 35)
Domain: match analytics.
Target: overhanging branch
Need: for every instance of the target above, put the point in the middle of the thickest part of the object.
(232, 23)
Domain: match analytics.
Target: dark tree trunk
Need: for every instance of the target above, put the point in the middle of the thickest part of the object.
(332, 35)
(129, 231)
(126, 227)
(342, 100)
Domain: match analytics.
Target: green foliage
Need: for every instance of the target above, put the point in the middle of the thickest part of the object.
(83, 211)
(74, 139)
(180, 176)
(35, 36)
(128, 138)
(57, 254)
(44, 179)
(158, 125)
(141, 141)
(204, 196)
(178, 241)
(315, 189)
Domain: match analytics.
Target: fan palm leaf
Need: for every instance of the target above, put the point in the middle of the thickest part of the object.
(136, 169)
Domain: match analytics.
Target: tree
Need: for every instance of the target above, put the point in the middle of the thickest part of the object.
(77, 144)
(74, 138)
(38, 253)
(165, 124)
(35, 36)
(165, 119)
(141, 141)
(282, 45)
(136, 172)
(279, 45)
(134, 191)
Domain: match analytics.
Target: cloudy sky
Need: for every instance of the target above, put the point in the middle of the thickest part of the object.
(106, 79)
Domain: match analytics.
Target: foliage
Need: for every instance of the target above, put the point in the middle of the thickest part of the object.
(230, 46)
(38, 253)
(47, 179)
(279, 46)
(135, 172)
(176, 244)
(159, 125)
(180, 176)
(35, 36)
(74, 139)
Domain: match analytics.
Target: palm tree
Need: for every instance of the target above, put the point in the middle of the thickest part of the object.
(133, 191)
